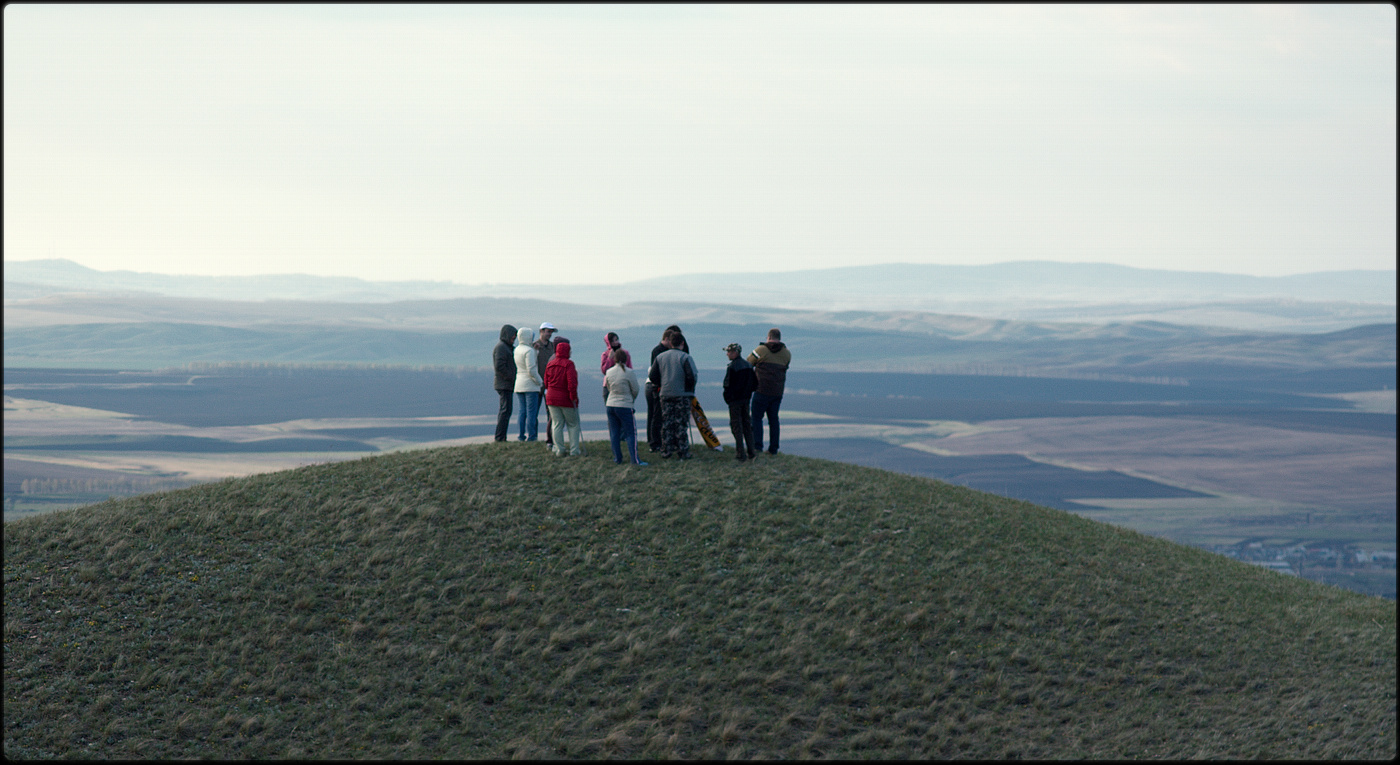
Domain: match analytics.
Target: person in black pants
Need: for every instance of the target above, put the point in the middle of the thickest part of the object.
(770, 365)
(739, 385)
(654, 396)
(503, 358)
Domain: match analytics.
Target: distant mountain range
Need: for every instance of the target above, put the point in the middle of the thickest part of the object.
(60, 314)
(36, 278)
(1051, 281)
(1029, 290)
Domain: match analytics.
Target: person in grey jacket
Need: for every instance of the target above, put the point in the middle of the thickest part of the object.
(503, 358)
(673, 373)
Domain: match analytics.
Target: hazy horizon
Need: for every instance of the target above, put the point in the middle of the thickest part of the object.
(503, 144)
(701, 273)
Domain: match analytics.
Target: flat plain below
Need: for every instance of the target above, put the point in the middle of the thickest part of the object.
(1205, 467)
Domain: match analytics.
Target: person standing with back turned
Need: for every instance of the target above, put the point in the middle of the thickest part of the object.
(503, 358)
(528, 381)
(770, 362)
(674, 375)
(620, 384)
(561, 396)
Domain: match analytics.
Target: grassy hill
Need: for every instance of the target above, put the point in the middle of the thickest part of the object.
(491, 602)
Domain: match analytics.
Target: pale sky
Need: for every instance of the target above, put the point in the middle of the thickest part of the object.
(609, 143)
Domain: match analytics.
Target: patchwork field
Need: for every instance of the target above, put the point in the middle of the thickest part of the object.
(1287, 465)
(1214, 467)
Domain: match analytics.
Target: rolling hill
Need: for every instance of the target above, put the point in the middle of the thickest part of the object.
(1026, 291)
(152, 335)
(492, 601)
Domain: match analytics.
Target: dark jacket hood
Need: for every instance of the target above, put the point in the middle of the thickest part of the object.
(774, 345)
(508, 334)
(561, 349)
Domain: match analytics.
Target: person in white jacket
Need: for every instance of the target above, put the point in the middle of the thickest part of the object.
(620, 384)
(528, 383)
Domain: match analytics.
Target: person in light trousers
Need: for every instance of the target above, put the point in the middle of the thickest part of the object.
(561, 396)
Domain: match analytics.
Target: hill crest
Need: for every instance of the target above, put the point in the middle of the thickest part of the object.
(494, 601)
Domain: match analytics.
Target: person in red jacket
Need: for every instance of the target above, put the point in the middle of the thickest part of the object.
(561, 396)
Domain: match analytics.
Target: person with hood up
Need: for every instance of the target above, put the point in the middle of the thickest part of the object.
(614, 344)
(561, 396)
(503, 358)
(620, 385)
(770, 365)
(527, 384)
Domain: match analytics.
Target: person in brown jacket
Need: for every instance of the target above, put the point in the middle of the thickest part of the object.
(770, 362)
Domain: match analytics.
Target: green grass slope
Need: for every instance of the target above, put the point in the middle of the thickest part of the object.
(492, 601)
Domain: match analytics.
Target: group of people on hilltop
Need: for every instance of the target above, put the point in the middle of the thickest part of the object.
(753, 390)
(532, 370)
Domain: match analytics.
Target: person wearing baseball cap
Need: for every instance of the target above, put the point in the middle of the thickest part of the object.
(739, 385)
(544, 347)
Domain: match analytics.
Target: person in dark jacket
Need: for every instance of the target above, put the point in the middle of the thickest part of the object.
(770, 365)
(503, 358)
(739, 384)
(544, 349)
(653, 396)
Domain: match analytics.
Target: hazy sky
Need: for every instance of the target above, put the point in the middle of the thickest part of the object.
(607, 143)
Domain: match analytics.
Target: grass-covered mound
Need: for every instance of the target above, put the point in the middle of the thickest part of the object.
(493, 601)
